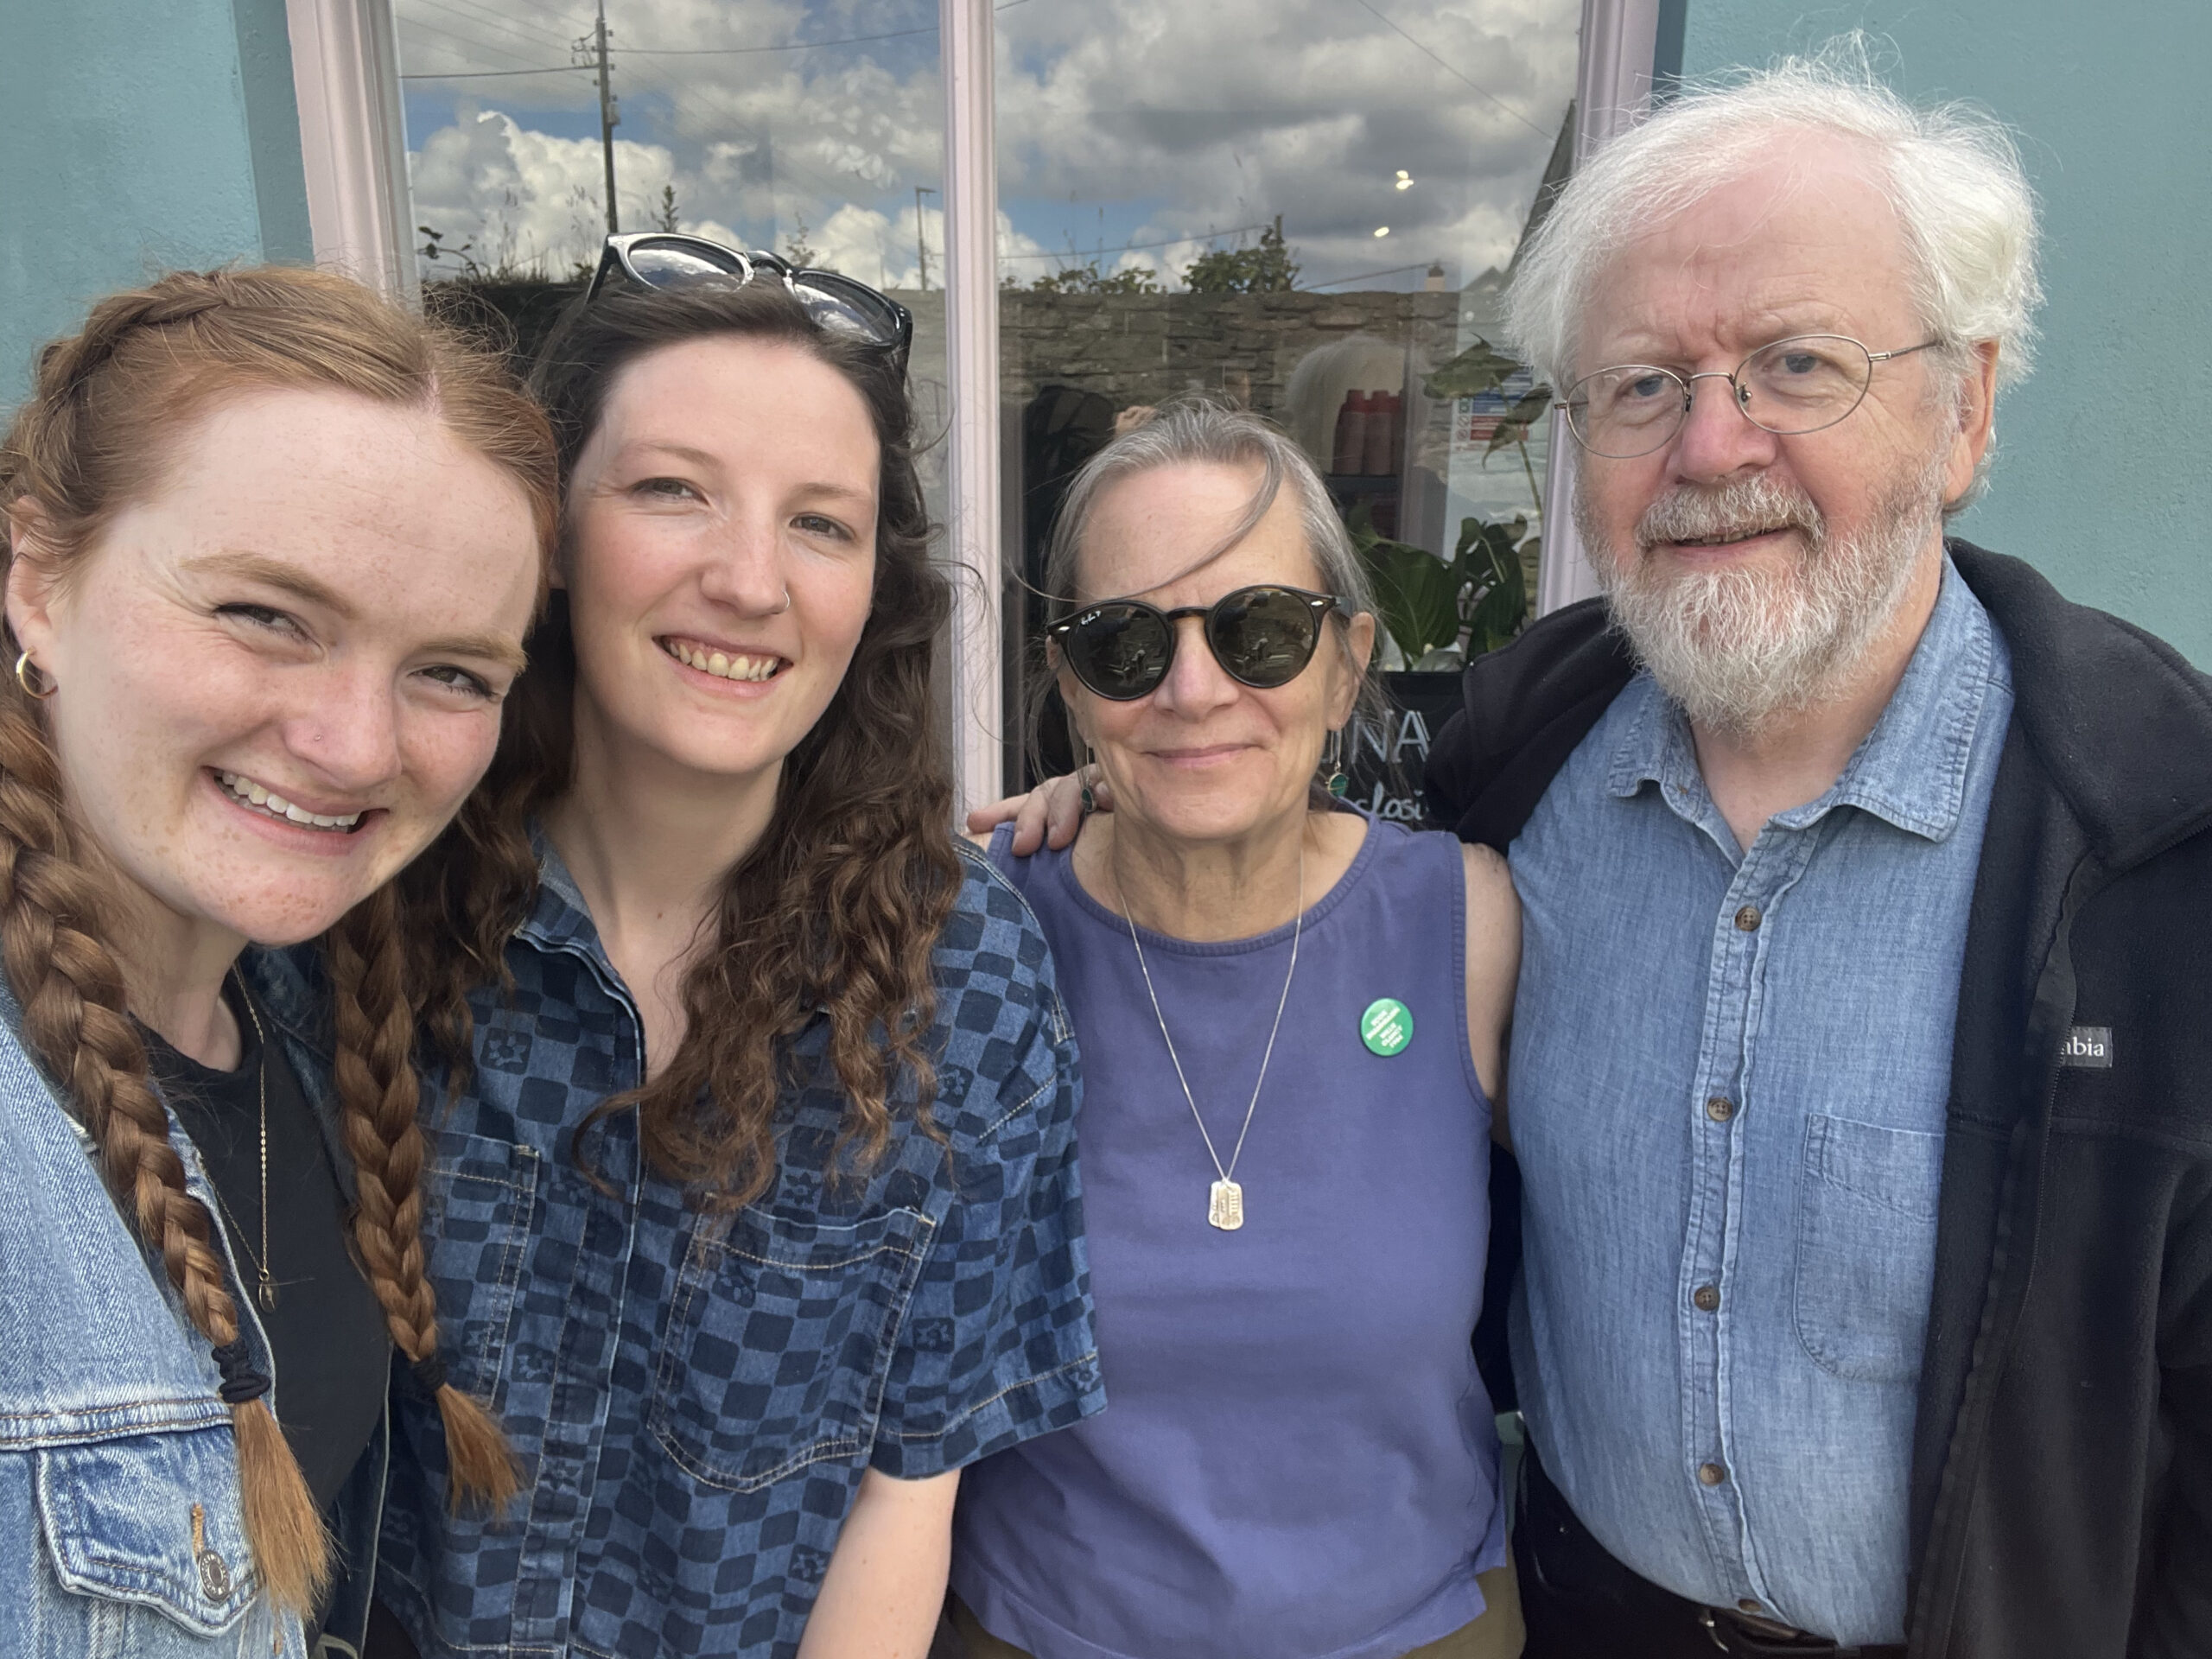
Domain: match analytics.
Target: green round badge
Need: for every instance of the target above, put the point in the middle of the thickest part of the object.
(1387, 1027)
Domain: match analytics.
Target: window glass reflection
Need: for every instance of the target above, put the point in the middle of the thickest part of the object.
(1307, 208)
(811, 130)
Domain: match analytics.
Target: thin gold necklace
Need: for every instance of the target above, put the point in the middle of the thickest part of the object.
(266, 1282)
(1225, 1199)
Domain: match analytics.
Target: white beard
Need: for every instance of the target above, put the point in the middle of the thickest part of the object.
(1737, 648)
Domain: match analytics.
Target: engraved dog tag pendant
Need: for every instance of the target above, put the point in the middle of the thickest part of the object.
(1225, 1206)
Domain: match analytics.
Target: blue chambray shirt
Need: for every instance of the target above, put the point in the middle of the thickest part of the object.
(694, 1396)
(1729, 1077)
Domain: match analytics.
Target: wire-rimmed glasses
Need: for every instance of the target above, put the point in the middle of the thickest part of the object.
(1793, 387)
(674, 260)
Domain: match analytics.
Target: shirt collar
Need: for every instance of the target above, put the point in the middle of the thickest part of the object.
(1911, 771)
(558, 919)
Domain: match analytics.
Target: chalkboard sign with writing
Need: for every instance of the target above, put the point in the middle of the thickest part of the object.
(1387, 767)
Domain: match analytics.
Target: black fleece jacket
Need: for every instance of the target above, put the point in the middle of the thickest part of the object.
(2062, 1477)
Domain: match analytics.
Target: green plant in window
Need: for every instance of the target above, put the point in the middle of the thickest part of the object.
(1494, 585)
(1478, 369)
(1417, 592)
(1439, 612)
(1482, 369)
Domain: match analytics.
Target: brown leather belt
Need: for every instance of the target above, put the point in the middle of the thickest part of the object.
(1762, 1639)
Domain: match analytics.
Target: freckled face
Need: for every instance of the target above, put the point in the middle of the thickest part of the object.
(279, 676)
(721, 551)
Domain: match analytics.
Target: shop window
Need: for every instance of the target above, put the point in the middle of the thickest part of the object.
(814, 130)
(1307, 210)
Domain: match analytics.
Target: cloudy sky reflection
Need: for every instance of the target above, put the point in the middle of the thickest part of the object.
(1133, 133)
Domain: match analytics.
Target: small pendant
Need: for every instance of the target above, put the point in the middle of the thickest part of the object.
(267, 1294)
(1225, 1206)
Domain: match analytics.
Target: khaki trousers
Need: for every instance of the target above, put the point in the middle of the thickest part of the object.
(1496, 1635)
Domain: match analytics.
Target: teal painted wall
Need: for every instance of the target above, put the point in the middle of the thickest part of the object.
(272, 129)
(2101, 477)
(137, 135)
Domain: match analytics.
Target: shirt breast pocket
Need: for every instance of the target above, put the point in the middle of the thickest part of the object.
(780, 1341)
(146, 1534)
(479, 1194)
(1866, 1214)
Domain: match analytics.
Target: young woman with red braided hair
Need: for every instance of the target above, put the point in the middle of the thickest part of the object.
(272, 546)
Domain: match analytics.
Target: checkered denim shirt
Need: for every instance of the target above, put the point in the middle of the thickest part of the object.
(694, 1396)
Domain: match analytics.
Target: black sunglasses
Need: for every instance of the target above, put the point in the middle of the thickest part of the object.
(670, 259)
(1263, 636)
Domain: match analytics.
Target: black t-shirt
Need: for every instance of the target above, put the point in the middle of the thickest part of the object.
(327, 1332)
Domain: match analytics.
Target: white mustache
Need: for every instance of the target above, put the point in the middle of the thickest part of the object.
(1736, 646)
(1743, 507)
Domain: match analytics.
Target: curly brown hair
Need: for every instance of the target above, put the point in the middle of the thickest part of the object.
(838, 906)
(104, 418)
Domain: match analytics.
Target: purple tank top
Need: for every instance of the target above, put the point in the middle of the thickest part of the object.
(1297, 1459)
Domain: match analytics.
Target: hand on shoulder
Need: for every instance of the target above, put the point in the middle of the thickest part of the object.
(1050, 814)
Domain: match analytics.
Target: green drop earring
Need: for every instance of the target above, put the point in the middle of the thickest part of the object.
(1332, 758)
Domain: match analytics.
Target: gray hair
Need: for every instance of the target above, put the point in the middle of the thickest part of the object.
(1951, 172)
(1199, 430)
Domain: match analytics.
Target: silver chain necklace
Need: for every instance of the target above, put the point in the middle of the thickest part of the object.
(1225, 1200)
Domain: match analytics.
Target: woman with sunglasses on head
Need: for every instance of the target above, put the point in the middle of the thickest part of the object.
(272, 548)
(1291, 1021)
(762, 1218)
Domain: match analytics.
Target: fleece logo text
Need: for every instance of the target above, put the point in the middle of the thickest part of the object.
(2087, 1046)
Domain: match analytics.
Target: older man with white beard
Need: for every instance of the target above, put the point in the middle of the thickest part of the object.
(1862, 1061)
(1861, 1071)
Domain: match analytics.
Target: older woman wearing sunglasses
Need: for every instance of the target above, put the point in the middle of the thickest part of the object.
(1290, 1017)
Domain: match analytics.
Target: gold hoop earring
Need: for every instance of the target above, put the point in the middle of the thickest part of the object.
(23, 665)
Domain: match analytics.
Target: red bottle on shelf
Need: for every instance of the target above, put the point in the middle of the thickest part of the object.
(1349, 455)
(1380, 450)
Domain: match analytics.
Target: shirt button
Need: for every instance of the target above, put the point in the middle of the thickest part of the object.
(1711, 1474)
(1707, 1299)
(1721, 1108)
(1747, 920)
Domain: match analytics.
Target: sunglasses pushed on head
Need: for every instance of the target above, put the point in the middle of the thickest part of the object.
(673, 260)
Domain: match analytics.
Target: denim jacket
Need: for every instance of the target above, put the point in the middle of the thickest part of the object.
(121, 1531)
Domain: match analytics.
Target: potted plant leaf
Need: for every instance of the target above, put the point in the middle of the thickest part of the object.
(1437, 613)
